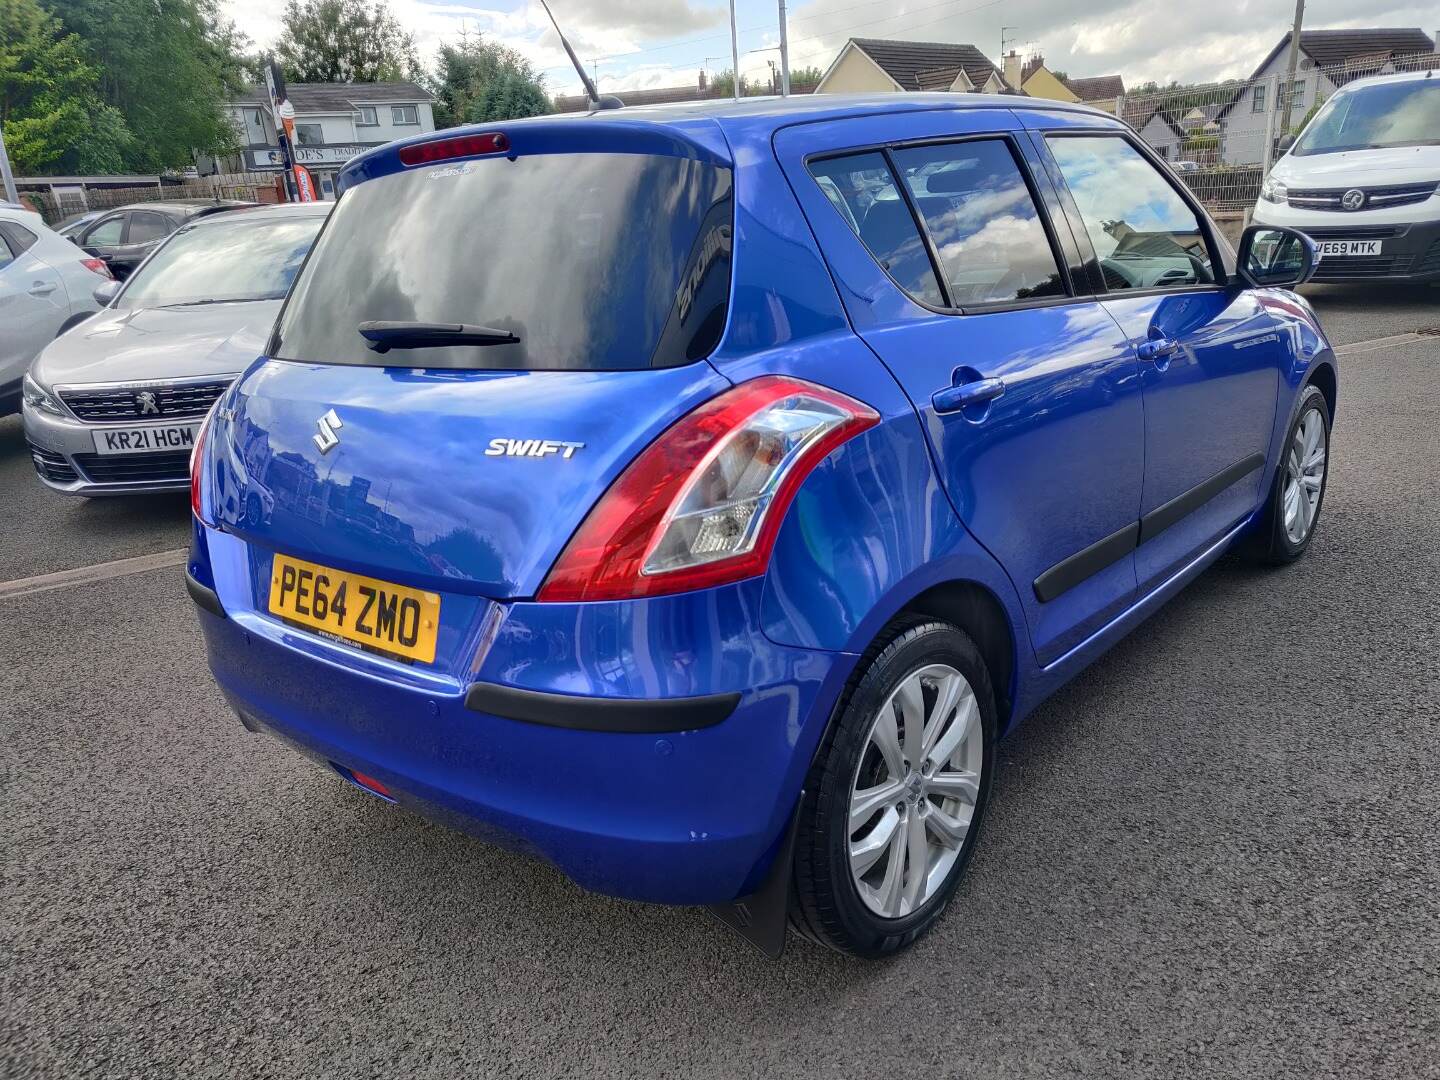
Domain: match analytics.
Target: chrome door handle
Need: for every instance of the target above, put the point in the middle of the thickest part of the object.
(1155, 348)
(976, 392)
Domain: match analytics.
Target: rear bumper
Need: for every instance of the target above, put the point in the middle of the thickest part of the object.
(661, 812)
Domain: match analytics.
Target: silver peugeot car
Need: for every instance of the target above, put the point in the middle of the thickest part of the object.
(112, 406)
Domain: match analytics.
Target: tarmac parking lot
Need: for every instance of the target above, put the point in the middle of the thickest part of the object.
(1213, 854)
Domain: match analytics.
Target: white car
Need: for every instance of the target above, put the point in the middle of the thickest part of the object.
(1363, 181)
(47, 285)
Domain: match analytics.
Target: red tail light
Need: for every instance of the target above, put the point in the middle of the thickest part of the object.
(703, 504)
(197, 456)
(98, 266)
(493, 142)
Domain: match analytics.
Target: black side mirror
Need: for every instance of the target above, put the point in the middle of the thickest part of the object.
(1274, 257)
(1286, 141)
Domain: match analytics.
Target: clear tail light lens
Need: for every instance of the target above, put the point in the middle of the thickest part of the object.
(703, 504)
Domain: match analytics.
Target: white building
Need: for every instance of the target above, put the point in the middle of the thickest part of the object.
(333, 123)
(1328, 60)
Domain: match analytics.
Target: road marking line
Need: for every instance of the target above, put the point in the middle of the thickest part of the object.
(1377, 343)
(86, 575)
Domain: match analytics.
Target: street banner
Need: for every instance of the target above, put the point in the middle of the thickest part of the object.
(305, 185)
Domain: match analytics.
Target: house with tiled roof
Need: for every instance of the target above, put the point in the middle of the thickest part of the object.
(1033, 78)
(1328, 60)
(883, 65)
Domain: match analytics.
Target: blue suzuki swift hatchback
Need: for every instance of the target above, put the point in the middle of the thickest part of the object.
(693, 496)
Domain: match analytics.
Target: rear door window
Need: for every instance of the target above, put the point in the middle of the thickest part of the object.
(594, 261)
(863, 189)
(146, 227)
(988, 235)
(1145, 234)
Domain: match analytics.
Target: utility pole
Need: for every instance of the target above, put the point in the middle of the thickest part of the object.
(1287, 89)
(784, 54)
(5, 174)
(734, 53)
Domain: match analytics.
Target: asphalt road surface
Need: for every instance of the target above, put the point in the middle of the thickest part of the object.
(1214, 854)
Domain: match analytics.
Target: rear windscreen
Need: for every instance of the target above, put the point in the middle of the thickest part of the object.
(594, 261)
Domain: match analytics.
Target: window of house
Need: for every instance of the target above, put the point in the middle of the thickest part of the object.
(309, 134)
(365, 116)
(255, 128)
(1146, 235)
(863, 190)
(1297, 93)
(1257, 99)
(404, 114)
(987, 232)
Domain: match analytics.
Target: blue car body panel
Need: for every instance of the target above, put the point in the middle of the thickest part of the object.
(1086, 441)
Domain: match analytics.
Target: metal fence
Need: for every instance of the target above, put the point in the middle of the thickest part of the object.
(1223, 137)
(57, 206)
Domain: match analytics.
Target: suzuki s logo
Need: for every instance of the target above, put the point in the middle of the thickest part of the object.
(531, 448)
(327, 440)
(1353, 199)
(146, 405)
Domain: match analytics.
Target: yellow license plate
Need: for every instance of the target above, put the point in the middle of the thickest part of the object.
(391, 618)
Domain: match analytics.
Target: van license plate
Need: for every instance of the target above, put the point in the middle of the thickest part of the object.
(390, 618)
(145, 440)
(1348, 247)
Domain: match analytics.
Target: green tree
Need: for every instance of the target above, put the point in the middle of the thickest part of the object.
(344, 41)
(805, 78)
(478, 79)
(54, 119)
(167, 66)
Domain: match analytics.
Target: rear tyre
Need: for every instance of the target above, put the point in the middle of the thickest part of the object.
(1292, 513)
(895, 797)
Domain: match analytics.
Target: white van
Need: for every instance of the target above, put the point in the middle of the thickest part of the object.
(1363, 181)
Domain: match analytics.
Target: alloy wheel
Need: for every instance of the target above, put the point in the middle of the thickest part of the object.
(915, 789)
(1304, 475)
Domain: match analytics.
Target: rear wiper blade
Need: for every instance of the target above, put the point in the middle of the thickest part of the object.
(386, 335)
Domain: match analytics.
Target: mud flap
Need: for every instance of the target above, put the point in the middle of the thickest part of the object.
(761, 917)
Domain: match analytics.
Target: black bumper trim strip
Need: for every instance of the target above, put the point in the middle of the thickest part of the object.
(633, 716)
(204, 598)
(1085, 563)
(1162, 517)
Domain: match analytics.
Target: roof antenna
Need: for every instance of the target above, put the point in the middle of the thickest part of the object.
(608, 101)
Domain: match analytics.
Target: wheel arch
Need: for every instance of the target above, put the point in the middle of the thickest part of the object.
(1323, 376)
(976, 610)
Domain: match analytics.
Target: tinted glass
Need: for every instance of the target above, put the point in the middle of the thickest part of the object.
(6, 255)
(20, 238)
(982, 220)
(226, 259)
(1145, 234)
(145, 227)
(107, 233)
(1386, 114)
(595, 261)
(862, 188)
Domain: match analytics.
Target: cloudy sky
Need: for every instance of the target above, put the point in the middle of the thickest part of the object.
(645, 43)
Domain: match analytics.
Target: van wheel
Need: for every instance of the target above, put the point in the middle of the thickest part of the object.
(1287, 524)
(894, 800)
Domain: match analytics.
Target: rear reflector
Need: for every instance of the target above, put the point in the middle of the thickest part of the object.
(492, 142)
(371, 783)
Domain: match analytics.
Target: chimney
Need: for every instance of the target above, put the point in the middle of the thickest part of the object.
(1012, 69)
(702, 80)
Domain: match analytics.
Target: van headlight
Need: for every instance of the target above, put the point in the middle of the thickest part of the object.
(37, 397)
(1273, 190)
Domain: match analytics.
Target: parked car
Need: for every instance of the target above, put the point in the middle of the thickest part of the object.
(699, 516)
(125, 235)
(46, 287)
(112, 408)
(73, 225)
(1363, 180)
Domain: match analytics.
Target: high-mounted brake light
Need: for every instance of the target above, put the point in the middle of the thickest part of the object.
(459, 146)
(703, 504)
